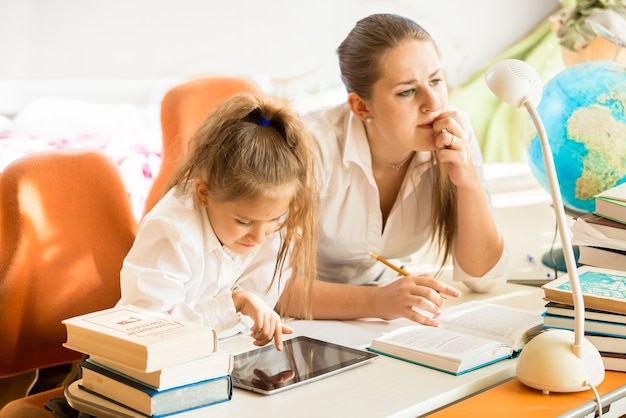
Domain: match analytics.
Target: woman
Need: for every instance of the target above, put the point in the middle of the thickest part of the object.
(401, 171)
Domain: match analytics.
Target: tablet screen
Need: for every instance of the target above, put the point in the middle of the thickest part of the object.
(303, 359)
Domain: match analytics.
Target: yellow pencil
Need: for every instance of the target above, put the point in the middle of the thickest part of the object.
(394, 267)
(388, 264)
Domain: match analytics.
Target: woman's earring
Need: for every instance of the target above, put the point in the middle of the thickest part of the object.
(368, 120)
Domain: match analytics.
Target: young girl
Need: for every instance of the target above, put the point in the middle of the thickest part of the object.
(401, 172)
(237, 225)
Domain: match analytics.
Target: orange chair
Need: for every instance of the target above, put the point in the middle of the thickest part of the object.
(183, 109)
(66, 225)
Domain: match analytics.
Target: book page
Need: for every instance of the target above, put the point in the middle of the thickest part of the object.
(441, 349)
(444, 343)
(616, 193)
(501, 323)
(584, 234)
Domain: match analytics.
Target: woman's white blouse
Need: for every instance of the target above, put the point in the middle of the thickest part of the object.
(177, 265)
(351, 225)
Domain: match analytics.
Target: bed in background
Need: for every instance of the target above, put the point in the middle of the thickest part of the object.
(129, 134)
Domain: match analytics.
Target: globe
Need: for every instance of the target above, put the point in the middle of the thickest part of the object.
(583, 111)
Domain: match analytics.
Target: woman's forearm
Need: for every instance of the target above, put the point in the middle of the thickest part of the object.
(329, 301)
(479, 242)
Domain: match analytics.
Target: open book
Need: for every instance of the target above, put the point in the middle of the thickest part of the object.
(470, 335)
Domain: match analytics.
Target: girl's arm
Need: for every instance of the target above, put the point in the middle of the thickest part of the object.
(163, 264)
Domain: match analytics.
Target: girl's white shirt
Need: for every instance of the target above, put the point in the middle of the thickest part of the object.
(177, 265)
(352, 223)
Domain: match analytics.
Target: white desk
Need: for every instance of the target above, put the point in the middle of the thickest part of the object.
(384, 388)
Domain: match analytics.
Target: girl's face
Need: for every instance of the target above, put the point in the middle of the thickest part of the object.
(408, 97)
(240, 225)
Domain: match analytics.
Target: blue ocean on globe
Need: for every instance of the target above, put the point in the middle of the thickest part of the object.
(583, 110)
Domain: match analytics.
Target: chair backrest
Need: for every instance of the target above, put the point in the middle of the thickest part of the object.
(66, 225)
(183, 109)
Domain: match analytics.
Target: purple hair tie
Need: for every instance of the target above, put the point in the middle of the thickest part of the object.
(262, 121)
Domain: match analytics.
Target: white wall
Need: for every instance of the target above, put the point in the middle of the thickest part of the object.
(290, 42)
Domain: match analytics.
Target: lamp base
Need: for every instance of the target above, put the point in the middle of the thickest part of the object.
(548, 363)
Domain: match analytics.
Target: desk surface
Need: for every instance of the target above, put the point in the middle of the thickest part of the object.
(385, 387)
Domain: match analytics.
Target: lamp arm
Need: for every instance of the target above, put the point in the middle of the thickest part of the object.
(568, 251)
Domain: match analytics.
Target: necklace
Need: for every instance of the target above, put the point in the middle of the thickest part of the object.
(396, 167)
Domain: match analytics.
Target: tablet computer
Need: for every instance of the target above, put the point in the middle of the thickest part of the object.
(302, 360)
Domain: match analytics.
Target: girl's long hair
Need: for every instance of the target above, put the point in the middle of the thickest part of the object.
(255, 146)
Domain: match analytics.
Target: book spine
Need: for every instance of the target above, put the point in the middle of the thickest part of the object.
(592, 327)
(226, 398)
(126, 380)
(214, 365)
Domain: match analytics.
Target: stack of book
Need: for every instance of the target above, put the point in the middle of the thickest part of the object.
(150, 362)
(601, 236)
(604, 295)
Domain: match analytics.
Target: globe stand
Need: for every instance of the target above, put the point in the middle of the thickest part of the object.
(555, 259)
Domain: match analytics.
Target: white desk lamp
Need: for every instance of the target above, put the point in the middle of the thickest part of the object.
(556, 360)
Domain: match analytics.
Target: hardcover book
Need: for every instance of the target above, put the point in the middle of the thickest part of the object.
(563, 309)
(591, 327)
(470, 335)
(611, 203)
(602, 289)
(614, 361)
(217, 364)
(608, 344)
(152, 402)
(602, 257)
(139, 338)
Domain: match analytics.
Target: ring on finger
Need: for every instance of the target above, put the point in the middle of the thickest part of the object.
(451, 141)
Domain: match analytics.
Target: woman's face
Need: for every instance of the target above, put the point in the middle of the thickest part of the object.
(410, 94)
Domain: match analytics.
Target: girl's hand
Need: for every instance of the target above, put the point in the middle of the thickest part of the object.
(397, 299)
(267, 323)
